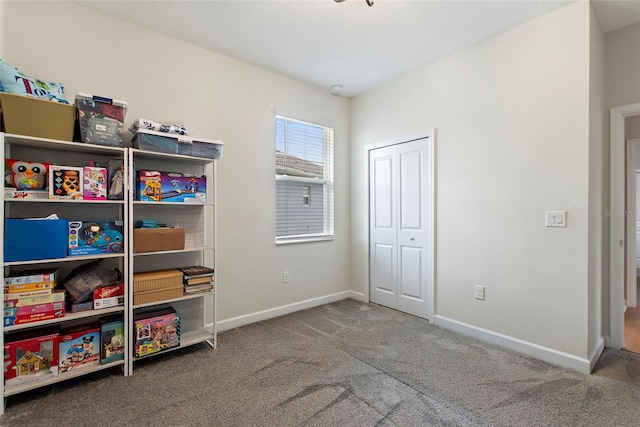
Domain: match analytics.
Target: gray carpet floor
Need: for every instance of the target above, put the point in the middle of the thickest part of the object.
(342, 364)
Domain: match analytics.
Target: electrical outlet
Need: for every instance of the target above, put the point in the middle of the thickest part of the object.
(285, 277)
(478, 292)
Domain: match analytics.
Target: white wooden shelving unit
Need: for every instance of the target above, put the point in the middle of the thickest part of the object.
(197, 311)
(69, 154)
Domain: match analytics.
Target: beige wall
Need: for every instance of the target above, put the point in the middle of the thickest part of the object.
(220, 98)
(511, 117)
(632, 127)
(622, 66)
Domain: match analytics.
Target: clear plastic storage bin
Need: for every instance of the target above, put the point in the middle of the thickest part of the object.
(101, 119)
(151, 140)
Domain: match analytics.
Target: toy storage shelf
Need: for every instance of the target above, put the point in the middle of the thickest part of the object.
(84, 370)
(197, 311)
(73, 154)
(68, 317)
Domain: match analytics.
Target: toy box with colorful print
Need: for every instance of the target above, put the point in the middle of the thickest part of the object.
(111, 340)
(95, 237)
(12, 193)
(108, 296)
(22, 319)
(65, 182)
(33, 357)
(79, 346)
(33, 309)
(32, 276)
(191, 188)
(156, 331)
(94, 183)
(157, 186)
(22, 299)
(29, 287)
(148, 186)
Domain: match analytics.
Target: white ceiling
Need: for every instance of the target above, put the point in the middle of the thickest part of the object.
(325, 43)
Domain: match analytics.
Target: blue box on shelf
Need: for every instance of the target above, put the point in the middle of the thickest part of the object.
(33, 239)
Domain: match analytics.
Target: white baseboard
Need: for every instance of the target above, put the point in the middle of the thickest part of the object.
(247, 319)
(595, 354)
(556, 357)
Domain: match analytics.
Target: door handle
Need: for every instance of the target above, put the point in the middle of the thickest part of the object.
(413, 239)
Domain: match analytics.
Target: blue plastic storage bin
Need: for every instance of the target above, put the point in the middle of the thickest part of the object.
(31, 239)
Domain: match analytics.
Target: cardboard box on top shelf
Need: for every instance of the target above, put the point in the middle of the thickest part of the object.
(23, 115)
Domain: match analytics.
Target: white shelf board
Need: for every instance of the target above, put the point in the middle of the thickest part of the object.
(177, 251)
(166, 301)
(74, 373)
(173, 157)
(142, 202)
(187, 339)
(65, 259)
(67, 317)
(54, 144)
(100, 202)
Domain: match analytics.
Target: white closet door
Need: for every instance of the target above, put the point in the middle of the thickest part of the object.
(383, 231)
(400, 255)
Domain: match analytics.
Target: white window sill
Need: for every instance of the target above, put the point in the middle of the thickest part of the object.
(304, 240)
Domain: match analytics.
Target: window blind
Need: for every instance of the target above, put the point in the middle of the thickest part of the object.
(304, 181)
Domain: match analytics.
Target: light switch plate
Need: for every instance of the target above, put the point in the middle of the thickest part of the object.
(556, 219)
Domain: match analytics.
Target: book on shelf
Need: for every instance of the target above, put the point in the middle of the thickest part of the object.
(198, 280)
(192, 289)
(196, 270)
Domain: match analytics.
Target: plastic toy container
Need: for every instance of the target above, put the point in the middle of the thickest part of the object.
(151, 140)
(101, 119)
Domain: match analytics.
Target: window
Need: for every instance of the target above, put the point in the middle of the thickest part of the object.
(304, 181)
(306, 196)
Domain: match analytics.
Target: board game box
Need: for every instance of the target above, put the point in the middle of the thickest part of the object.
(79, 346)
(30, 358)
(111, 341)
(108, 296)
